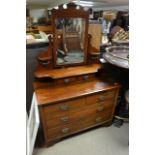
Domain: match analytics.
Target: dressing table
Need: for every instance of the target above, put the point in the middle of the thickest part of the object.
(73, 93)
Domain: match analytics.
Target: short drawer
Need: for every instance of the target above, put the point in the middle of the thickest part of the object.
(100, 97)
(67, 129)
(65, 80)
(86, 77)
(62, 108)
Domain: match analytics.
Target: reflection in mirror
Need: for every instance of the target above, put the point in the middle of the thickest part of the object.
(70, 34)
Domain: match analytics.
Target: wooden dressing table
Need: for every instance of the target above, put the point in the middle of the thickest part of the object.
(72, 97)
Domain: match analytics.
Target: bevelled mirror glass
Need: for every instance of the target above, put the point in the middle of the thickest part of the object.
(70, 34)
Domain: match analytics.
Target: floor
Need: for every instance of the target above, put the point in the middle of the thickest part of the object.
(101, 141)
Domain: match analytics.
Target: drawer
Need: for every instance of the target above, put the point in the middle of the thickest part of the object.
(63, 108)
(86, 77)
(100, 97)
(67, 129)
(65, 80)
(71, 117)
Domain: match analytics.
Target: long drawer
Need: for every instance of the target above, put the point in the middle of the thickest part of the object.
(80, 114)
(68, 117)
(70, 107)
(67, 129)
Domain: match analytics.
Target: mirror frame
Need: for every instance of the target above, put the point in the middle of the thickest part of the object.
(70, 12)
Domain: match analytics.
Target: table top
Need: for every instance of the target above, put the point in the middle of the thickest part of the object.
(49, 95)
(118, 56)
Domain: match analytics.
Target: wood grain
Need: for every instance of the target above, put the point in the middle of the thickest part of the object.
(76, 126)
(57, 94)
(66, 72)
(53, 111)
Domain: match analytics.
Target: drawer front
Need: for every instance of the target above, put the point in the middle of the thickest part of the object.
(65, 80)
(86, 77)
(63, 108)
(81, 114)
(65, 118)
(100, 97)
(92, 120)
(68, 80)
(69, 117)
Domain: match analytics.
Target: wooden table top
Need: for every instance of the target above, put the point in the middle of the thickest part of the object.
(56, 94)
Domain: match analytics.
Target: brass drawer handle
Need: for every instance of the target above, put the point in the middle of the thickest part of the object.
(110, 92)
(66, 80)
(64, 119)
(65, 130)
(98, 119)
(100, 109)
(101, 98)
(86, 77)
(64, 107)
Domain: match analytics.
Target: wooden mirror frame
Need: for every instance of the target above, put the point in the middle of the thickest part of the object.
(70, 12)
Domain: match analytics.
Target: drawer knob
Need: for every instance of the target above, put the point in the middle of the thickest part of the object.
(64, 107)
(100, 109)
(98, 119)
(65, 130)
(64, 119)
(101, 98)
(110, 92)
(66, 80)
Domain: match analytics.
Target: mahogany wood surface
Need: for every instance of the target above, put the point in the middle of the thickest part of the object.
(52, 141)
(73, 79)
(83, 119)
(63, 81)
(72, 115)
(73, 108)
(77, 117)
(54, 111)
(75, 98)
(89, 120)
(43, 72)
(55, 94)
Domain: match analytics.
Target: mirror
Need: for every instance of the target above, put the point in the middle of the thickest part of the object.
(70, 46)
(70, 37)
